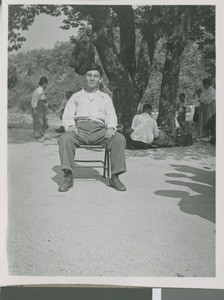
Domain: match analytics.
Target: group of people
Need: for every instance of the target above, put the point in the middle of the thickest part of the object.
(204, 112)
(89, 117)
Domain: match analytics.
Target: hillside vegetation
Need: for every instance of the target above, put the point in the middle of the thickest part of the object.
(25, 69)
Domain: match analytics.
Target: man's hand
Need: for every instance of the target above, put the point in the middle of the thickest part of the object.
(109, 133)
(73, 128)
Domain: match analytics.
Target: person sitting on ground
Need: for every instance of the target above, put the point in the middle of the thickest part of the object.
(39, 109)
(143, 130)
(61, 109)
(89, 118)
(182, 110)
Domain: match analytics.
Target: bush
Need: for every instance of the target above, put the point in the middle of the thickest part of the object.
(24, 104)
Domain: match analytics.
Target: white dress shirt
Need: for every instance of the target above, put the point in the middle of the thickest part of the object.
(96, 106)
(38, 94)
(145, 128)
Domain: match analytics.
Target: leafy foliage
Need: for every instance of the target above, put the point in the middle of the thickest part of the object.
(136, 47)
(53, 64)
(32, 65)
(21, 17)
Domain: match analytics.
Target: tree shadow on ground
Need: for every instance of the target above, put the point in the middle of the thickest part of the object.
(197, 151)
(202, 182)
(21, 136)
(79, 173)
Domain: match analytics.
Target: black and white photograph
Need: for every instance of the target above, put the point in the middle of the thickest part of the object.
(111, 139)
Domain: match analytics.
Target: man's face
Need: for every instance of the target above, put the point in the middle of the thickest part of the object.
(93, 79)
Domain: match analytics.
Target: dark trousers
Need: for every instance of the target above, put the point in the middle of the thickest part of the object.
(40, 119)
(92, 133)
(132, 144)
(196, 115)
(181, 118)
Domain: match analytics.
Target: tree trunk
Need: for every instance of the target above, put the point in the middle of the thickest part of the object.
(127, 37)
(143, 69)
(127, 83)
(169, 86)
(119, 79)
(150, 36)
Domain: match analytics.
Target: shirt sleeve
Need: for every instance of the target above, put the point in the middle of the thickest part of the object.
(111, 117)
(35, 98)
(68, 118)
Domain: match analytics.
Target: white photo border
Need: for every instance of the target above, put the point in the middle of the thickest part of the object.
(156, 282)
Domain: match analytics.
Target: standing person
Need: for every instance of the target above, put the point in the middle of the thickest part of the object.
(208, 107)
(40, 108)
(211, 127)
(143, 129)
(61, 109)
(181, 118)
(89, 118)
(197, 106)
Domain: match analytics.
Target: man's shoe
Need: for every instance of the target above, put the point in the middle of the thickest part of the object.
(67, 184)
(117, 184)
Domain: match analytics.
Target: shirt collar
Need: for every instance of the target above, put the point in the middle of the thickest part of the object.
(84, 92)
(98, 93)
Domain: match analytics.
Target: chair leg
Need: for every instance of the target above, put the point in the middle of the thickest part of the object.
(108, 163)
(105, 163)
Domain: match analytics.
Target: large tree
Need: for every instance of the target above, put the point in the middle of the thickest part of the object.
(127, 70)
(128, 73)
(126, 66)
(182, 24)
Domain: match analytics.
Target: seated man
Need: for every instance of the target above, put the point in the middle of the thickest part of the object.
(143, 129)
(89, 118)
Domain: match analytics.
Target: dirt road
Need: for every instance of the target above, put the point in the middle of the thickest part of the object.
(164, 225)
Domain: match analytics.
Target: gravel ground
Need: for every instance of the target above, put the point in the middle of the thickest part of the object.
(163, 225)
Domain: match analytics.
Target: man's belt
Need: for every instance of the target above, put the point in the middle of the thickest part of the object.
(89, 120)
